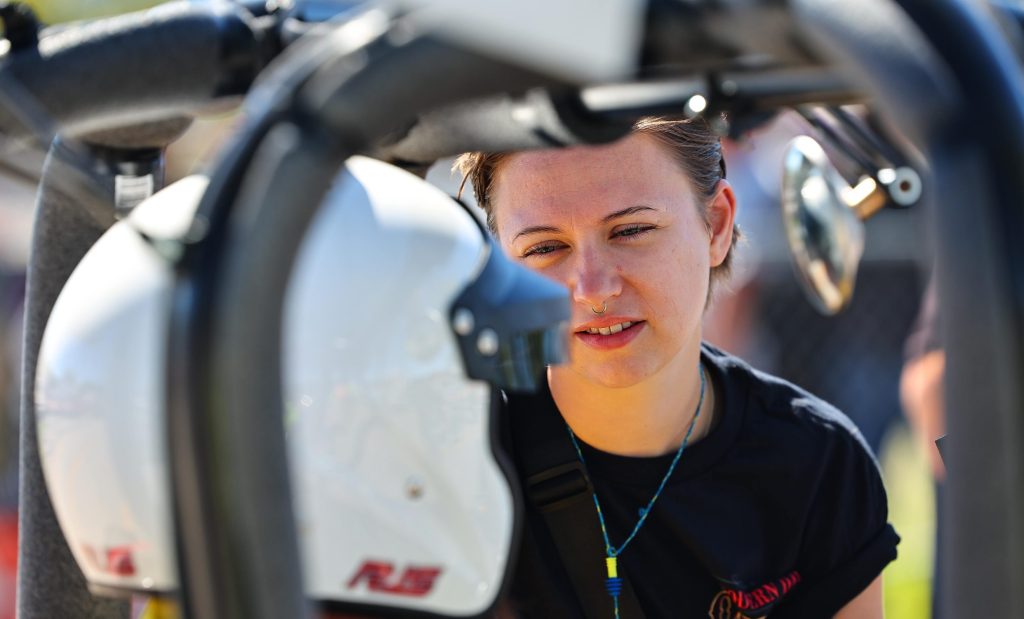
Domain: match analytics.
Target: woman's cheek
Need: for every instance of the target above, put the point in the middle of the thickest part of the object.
(557, 273)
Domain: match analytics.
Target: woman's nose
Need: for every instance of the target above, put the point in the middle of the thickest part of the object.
(595, 279)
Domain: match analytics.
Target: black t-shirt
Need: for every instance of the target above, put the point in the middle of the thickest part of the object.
(779, 511)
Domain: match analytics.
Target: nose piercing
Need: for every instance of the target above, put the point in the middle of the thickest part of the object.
(604, 308)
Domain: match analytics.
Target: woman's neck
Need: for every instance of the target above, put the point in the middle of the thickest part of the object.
(649, 418)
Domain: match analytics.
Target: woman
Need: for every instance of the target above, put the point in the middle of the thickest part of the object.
(721, 491)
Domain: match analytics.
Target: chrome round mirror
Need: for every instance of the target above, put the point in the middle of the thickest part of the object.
(822, 217)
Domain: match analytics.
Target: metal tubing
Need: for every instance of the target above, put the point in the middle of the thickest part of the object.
(130, 69)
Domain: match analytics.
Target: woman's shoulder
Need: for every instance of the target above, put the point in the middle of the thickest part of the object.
(774, 408)
(819, 485)
(784, 436)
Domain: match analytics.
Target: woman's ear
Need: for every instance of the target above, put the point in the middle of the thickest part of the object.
(721, 216)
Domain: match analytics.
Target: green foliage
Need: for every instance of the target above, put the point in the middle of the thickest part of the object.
(60, 11)
(908, 579)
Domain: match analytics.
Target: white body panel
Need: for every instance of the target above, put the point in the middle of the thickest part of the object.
(389, 442)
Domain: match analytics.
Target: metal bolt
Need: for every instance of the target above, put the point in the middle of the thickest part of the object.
(463, 321)
(904, 185)
(487, 343)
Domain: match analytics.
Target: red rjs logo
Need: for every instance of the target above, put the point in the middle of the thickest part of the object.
(381, 577)
(116, 560)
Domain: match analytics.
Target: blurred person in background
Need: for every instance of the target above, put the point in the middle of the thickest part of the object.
(921, 381)
(921, 391)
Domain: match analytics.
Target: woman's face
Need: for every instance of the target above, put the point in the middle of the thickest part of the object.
(620, 225)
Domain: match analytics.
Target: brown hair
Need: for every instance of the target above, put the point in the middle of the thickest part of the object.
(695, 147)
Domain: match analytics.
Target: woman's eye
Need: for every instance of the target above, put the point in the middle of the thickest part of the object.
(540, 250)
(633, 230)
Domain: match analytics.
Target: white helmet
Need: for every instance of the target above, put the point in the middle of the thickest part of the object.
(400, 500)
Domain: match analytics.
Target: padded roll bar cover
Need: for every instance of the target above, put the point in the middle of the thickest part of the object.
(49, 581)
(158, 134)
(135, 68)
(892, 57)
(524, 116)
(503, 123)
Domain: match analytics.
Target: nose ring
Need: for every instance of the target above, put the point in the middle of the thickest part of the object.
(604, 308)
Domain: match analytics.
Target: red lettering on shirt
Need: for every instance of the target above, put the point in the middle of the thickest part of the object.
(760, 597)
(789, 581)
(739, 598)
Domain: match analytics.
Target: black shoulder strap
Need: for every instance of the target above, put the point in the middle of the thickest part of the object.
(556, 483)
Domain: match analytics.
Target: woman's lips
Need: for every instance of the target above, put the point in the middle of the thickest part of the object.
(614, 340)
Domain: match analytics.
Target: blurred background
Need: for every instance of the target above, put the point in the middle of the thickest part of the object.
(853, 360)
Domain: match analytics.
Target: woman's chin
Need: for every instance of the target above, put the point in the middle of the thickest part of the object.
(607, 375)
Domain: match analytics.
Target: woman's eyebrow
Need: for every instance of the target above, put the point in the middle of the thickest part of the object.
(626, 211)
(535, 230)
(607, 218)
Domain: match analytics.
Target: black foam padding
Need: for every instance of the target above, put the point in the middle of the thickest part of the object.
(50, 583)
(500, 123)
(134, 68)
(251, 421)
(454, 114)
(142, 136)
